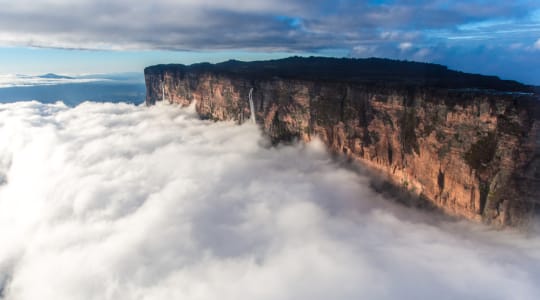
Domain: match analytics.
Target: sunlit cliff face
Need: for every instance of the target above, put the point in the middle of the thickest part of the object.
(470, 154)
(115, 201)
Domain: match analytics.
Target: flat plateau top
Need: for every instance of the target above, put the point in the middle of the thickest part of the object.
(364, 71)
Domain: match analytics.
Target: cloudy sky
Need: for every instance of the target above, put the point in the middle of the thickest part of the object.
(88, 36)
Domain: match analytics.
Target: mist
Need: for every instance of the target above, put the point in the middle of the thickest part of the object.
(118, 201)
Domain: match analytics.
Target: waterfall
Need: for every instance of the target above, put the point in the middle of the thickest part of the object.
(163, 91)
(251, 106)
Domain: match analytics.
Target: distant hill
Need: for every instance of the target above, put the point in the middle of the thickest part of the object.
(54, 76)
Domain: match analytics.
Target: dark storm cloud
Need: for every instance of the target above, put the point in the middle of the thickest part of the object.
(291, 25)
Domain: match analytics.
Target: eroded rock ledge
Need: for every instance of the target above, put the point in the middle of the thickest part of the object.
(469, 144)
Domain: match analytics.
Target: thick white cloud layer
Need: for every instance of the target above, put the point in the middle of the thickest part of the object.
(114, 201)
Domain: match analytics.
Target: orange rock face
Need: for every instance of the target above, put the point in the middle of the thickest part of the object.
(473, 154)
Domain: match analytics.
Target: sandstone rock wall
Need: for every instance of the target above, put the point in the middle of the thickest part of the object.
(471, 153)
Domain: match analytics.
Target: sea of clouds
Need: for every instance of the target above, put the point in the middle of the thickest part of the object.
(117, 201)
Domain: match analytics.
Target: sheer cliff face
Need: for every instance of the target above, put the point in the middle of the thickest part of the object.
(472, 154)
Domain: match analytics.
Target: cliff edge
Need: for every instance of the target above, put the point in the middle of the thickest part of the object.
(466, 143)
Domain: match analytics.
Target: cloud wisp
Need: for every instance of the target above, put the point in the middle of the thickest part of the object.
(116, 201)
(17, 80)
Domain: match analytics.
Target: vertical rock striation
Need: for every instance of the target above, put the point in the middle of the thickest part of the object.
(468, 144)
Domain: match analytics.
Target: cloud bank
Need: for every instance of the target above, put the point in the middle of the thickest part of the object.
(116, 201)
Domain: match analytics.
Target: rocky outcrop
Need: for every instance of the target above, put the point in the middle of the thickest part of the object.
(468, 144)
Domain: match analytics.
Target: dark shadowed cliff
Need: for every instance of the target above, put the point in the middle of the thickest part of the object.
(466, 143)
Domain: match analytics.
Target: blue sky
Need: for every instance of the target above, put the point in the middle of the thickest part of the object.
(101, 36)
(27, 60)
